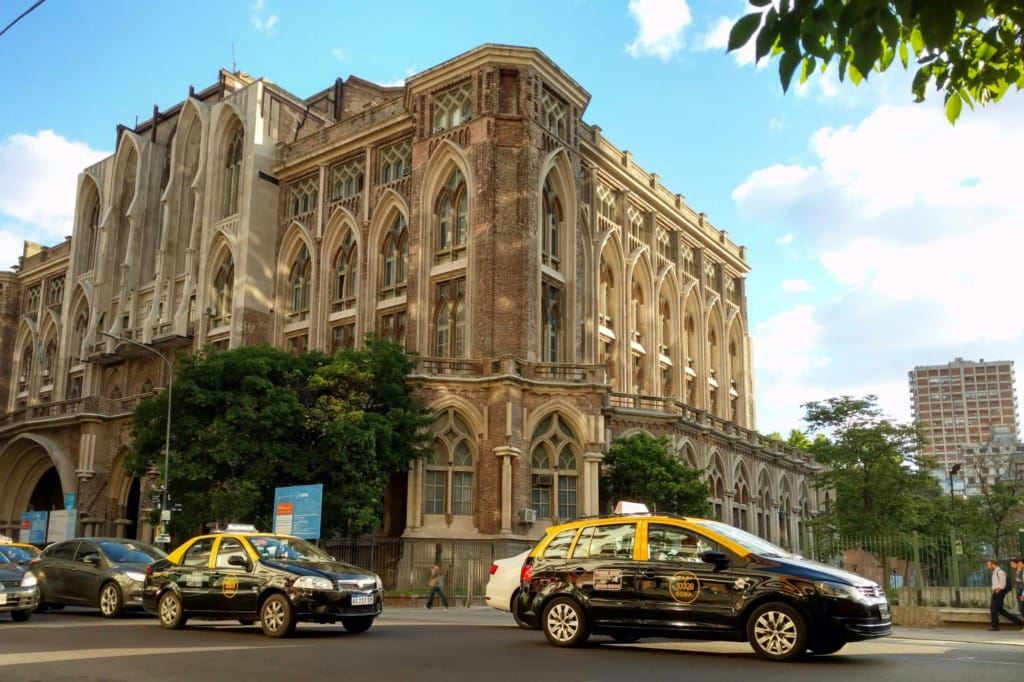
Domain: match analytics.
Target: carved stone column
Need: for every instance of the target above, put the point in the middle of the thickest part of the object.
(508, 456)
(591, 477)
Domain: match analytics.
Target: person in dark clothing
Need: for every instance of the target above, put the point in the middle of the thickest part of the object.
(1018, 583)
(436, 583)
(999, 589)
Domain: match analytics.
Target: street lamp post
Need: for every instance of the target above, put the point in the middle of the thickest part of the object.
(167, 437)
(955, 541)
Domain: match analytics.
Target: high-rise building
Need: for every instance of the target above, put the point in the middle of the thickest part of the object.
(556, 293)
(958, 403)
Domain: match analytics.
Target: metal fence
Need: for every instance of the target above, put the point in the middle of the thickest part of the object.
(404, 563)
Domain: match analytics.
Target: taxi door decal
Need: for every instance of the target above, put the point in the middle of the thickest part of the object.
(608, 579)
(229, 586)
(684, 587)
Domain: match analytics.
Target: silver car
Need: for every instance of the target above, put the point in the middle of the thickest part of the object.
(18, 593)
(106, 573)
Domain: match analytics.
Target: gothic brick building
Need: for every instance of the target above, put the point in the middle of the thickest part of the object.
(557, 294)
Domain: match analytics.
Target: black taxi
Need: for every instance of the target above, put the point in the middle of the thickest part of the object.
(651, 575)
(278, 580)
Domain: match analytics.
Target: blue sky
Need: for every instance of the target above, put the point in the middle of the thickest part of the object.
(880, 237)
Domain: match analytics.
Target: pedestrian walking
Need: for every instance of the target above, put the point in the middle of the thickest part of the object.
(1018, 584)
(436, 584)
(999, 589)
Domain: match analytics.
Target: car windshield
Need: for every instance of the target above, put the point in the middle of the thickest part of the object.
(4, 559)
(746, 540)
(131, 552)
(17, 555)
(286, 547)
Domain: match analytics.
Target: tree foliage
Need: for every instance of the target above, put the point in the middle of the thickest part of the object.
(247, 420)
(641, 468)
(971, 50)
(882, 483)
(987, 517)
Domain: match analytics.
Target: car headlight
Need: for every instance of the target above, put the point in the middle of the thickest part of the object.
(29, 580)
(838, 590)
(380, 583)
(309, 582)
(135, 575)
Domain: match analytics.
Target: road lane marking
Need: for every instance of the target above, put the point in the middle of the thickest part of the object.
(87, 654)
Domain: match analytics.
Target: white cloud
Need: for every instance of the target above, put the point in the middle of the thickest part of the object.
(338, 54)
(796, 286)
(38, 182)
(716, 37)
(261, 19)
(784, 239)
(918, 224)
(661, 27)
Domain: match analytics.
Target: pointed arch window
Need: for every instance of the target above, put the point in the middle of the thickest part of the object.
(233, 172)
(49, 360)
(394, 259)
(450, 318)
(554, 465)
(78, 336)
(223, 290)
(26, 368)
(607, 295)
(300, 284)
(346, 274)
(92, 233)
(448, 474)
(451, 219)
(552, 325)
(453, 107)
(551, 230)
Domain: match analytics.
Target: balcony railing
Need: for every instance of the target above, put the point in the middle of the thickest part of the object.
(107, 407)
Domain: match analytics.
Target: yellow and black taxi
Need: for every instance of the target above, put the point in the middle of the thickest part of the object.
(18, 552)
(652, 575)
(247, 576)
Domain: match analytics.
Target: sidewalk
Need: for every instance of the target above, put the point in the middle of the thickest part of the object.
(1008, 634)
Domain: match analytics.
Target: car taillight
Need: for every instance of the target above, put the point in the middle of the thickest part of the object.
(494, 568)
(149, 569)
(526, 574)
(34, 561)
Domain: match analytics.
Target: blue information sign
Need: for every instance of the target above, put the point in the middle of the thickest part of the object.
(70, 499)
(297, 510)
(33, 528)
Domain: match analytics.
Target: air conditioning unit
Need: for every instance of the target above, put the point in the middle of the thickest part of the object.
(46, 374)
(542, 480)
(528, 515)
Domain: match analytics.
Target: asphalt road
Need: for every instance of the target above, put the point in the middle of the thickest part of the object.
(460, 644)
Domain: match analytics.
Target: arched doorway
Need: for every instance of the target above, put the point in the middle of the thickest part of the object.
(48, 493)
(35, 472)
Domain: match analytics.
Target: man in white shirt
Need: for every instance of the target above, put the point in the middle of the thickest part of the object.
(999, 590)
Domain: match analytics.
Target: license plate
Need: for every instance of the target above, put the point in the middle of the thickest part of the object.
(883, 610)
(3, 598)
(362, 599)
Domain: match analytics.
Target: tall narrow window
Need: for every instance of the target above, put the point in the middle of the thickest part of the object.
(451, 219)
(551, 322)
(346, 268)
(540, 491)
(26, 368)
(92, 233)
(233, 173)
(450, 318)
(567, 480)
(394, 258)
(223, 287)
(448, 479)
(607, 296)
(300, 284)
(49, 358)
(551, 228)
(78, 336)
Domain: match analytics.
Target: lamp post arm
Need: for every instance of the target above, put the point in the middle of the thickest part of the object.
(170, 394)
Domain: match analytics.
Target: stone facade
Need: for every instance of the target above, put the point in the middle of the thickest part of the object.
(557, 294)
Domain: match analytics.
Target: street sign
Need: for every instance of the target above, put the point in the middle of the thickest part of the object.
(163, 539)
(33, 527)
(297, 510)
(70, 499)
(165, 515)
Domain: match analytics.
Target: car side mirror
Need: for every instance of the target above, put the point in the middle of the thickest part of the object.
(239, 560)
(719, 559)
(91, 559)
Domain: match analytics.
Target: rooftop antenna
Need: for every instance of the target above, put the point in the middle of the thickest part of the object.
(234, 67)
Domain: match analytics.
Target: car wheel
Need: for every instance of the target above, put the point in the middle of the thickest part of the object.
(169, 611)
(564, 623)
(111, 601)
(357, 623)
(514, 607)
(277, 616)
(21, 616)
(41, 605)
(777, 632)
(824, 646)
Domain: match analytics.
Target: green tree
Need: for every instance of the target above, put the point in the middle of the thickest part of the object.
(987, 517)
(882, 483)
(641, 468)
(971, 50)
(247, 420)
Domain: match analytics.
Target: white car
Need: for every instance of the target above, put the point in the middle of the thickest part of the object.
(503, 585)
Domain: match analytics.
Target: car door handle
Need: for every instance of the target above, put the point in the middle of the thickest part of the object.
(650, 575)
(579, 571)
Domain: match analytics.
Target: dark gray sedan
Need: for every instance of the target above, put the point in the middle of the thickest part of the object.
(106, 573)
(18, 592)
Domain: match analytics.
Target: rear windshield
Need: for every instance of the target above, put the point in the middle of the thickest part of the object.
(131, 552)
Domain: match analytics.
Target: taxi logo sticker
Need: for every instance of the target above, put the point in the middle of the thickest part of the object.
(684, 587)
(608, 579)
(230, 586)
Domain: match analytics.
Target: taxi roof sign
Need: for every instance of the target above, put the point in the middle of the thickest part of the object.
(624, 507)
(240, 528)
